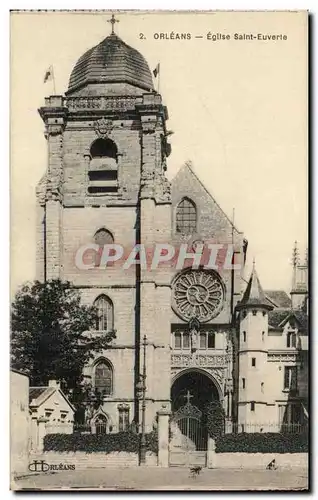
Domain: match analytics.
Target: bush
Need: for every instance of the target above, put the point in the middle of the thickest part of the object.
(107, 443)
(215, 419)
(269, 442)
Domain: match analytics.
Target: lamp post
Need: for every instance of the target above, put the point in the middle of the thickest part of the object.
(141, 388)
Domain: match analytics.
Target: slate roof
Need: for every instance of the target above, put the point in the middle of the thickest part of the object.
(40, 393)
(254, 294)
(111, 61)
(279, 298)
(279, 317)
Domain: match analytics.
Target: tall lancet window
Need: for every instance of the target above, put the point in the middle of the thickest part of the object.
(186, 217)
(105, 313)
(104, 377)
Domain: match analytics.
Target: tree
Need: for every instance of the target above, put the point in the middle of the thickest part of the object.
(51, 336)
(215, 419)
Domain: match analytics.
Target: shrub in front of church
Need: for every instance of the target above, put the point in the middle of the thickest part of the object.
(269, 442)
(106, 443)
(215, 417)
(50, 336)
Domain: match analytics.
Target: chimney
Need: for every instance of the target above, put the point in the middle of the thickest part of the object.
(55, 384)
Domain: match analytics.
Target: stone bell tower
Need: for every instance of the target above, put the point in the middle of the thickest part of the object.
(105, 182)
(252, 354)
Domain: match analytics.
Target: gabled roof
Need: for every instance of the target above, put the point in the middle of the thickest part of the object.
(187, 166)
(254, 294)
(38, 395)
(278, 318)
(278, 298)
(300, 317)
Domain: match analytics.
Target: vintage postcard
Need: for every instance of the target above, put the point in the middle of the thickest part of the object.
(159, 198)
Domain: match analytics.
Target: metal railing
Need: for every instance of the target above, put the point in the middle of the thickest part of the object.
(250, 427)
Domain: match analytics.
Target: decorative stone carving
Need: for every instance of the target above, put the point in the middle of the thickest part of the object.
(203, 360)
(228, 386)
(282, 357)
(56, 129)
(100, 103)
(103, 127)
(41, 190)
(163, 188)
(198, 294)
(218, 374)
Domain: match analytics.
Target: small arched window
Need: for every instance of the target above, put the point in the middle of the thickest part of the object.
(186, 217)
(101, 424)
(103, 378)
(105, 313)
(102, 237)
(102, 148)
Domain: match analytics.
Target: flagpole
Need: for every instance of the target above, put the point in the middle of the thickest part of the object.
(159, 79)
(53, 78)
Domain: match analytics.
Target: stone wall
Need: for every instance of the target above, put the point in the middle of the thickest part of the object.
(257, 460)
(98, 460)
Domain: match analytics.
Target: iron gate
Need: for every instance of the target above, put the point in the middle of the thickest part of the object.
(188, 437)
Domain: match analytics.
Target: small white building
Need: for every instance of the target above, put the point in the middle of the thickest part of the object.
(51, 413)
(19, 423)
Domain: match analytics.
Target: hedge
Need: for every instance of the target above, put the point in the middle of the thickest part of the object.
(107, 443)
(267, 442)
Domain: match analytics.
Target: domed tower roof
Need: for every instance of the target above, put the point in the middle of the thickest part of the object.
(111, 61)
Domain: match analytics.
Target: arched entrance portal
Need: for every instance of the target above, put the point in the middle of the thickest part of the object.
(201, 387)
(190, 394)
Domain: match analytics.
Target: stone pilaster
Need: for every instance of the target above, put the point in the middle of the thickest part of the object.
(163, 438)
(54, 116)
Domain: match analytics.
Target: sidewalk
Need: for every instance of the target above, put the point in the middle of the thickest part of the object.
(148, 478)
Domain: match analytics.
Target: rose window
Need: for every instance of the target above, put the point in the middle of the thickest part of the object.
(198, 294)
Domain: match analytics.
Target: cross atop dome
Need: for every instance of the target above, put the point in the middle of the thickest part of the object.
(112, 21)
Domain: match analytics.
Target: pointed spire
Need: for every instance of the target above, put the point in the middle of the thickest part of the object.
(295, 255)
(254, 294)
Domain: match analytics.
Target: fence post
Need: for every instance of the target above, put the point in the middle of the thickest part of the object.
(163, 437)
(211, 455)
(41, 433)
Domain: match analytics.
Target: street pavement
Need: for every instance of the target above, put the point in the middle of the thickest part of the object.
(155, 478)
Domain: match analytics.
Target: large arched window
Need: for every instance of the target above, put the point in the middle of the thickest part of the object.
(105, 313)
(102, 148)
(103, 378)
(103, 168)
(186, 217)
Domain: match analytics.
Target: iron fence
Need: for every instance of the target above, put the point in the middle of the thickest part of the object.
(291, 428)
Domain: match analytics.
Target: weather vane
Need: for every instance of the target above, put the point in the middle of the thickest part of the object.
(112, 21)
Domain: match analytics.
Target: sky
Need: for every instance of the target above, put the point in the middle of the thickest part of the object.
(238, 110)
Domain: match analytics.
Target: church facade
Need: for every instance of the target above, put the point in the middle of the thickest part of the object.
(194, 333)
